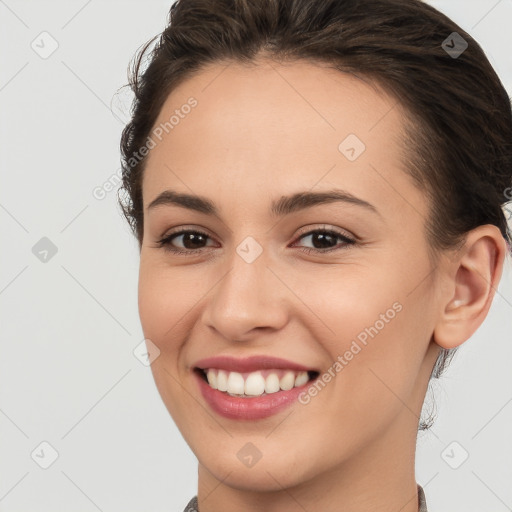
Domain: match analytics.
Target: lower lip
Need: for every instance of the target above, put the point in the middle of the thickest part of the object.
(253, 408)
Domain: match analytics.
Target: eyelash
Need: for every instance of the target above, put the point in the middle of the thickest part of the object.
(165, 242)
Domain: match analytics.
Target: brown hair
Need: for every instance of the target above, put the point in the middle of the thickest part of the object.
(459, 129)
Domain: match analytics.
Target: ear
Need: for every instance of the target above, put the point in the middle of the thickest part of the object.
(473, 276)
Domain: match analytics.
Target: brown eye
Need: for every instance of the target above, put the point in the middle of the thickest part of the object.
(191, 241)
(325, 240)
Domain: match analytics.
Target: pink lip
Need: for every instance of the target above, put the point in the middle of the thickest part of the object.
(252, 408)
(250, 364)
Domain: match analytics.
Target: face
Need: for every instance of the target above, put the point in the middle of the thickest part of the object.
(338, 284)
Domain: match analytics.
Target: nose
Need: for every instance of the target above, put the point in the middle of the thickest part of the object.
(248, 300)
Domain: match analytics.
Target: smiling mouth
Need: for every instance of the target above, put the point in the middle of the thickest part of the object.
(257, 383)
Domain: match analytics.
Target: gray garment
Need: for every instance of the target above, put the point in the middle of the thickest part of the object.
(192, 505)
(422, 502)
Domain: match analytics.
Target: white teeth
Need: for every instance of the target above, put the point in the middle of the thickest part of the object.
(255, 384)
(272, 383)
(236, 383)
(301, 379)
(287, 381)
(212, 378)
(222, 380)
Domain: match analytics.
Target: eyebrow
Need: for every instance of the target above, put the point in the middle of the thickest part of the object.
(279, 207)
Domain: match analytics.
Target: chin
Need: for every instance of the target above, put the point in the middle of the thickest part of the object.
(272, 472)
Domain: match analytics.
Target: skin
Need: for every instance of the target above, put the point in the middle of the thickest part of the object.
(258, 133)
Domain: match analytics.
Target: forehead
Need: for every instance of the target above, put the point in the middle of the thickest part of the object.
(270, 126)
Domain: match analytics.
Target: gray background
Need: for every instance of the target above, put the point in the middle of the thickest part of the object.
(69, 325)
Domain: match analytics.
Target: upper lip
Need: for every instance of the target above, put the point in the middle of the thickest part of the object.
(249, 364)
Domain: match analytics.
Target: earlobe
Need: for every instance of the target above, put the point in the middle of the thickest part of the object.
(474, 276)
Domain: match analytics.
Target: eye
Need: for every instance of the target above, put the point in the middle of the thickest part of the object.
(326, 239)
(193, 241)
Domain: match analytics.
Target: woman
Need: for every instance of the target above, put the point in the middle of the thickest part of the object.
(316, 187)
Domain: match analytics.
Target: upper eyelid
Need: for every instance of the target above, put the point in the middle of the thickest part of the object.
(307, 231)
(302, 231)
(327, 227)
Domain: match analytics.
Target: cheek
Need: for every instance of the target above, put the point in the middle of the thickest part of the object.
(375, 333)
(163, 302)
(163, 305)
